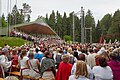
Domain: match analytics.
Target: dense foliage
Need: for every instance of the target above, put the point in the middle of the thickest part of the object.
(109, 25)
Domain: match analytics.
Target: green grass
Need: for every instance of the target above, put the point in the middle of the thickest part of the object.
(12, 41)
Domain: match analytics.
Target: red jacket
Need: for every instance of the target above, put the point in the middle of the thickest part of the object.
(64, 71)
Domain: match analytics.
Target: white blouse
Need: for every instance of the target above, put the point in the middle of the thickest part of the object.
(23, 62)
(101, 73)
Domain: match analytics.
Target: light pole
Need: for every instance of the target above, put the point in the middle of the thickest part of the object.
(82, 26)
(74, 14)
(90, 34)
(8, 18)
(0, 13)
(73, 27)
(0, 17)
(0, 7)
(15, 12)
(81, 13)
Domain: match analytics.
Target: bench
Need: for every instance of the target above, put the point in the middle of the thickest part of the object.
(15, 73)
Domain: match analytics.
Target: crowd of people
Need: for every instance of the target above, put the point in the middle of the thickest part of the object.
(62, 61)
(47, 39)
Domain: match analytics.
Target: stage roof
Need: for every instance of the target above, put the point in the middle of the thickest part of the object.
(35, 28)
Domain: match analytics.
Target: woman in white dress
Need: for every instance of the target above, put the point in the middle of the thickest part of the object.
(34, 65)
(102, 72)
(81, 72)
(23, 63)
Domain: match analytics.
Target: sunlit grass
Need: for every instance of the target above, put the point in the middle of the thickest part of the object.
(12, 41)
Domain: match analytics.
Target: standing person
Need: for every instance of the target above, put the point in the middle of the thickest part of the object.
(114, 65)
(48, 71)
(34, 65)
(103, 71)
(64, 69)
(81, 72)
(23, 63)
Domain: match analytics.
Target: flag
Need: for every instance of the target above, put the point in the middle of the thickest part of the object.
(101, 39)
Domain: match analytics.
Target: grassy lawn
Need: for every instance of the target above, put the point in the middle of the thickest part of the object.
(12, 41)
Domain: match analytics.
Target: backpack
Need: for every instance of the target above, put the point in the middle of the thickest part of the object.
(58, 58)
(71, 61)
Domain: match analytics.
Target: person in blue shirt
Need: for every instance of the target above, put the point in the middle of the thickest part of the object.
(38, 54)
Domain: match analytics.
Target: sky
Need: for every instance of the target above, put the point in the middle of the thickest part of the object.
(40, 7)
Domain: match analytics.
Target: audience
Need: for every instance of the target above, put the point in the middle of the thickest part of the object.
(40, 60)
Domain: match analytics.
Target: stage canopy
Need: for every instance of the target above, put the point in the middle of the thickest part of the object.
(35, 28)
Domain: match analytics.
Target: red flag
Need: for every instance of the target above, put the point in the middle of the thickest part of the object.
(102, 39)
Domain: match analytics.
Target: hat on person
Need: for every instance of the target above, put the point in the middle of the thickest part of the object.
(58, 49)
(102, 50)
(5, 50)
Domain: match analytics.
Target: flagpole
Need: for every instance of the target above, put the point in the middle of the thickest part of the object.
(0, 12)
(8, 18)
(1, 16)
(15, 13)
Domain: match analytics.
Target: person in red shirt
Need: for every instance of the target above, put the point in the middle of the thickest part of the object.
(14, 59)
(64, 69)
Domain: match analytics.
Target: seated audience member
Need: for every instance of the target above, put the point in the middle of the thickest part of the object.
(23, 63)
(58, 57)
(64, 68)
(34, 65)
(81, 72)
(114, 65)
(103, 71)
(4, 62)
(14, 59)
(82, 57)
(91, 58)
(48, 71)
(38, 54)
(2, 74)
(72, 58)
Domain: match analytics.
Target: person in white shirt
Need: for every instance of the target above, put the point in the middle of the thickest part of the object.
(102, 72)
(81, 72)
(82, 57)
(23, 63)
(4, 60)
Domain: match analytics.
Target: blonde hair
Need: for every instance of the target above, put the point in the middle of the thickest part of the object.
(69, 49)
(11, 78)
(31, 55)
(65, 58)
(81, 69)
(72, 52)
